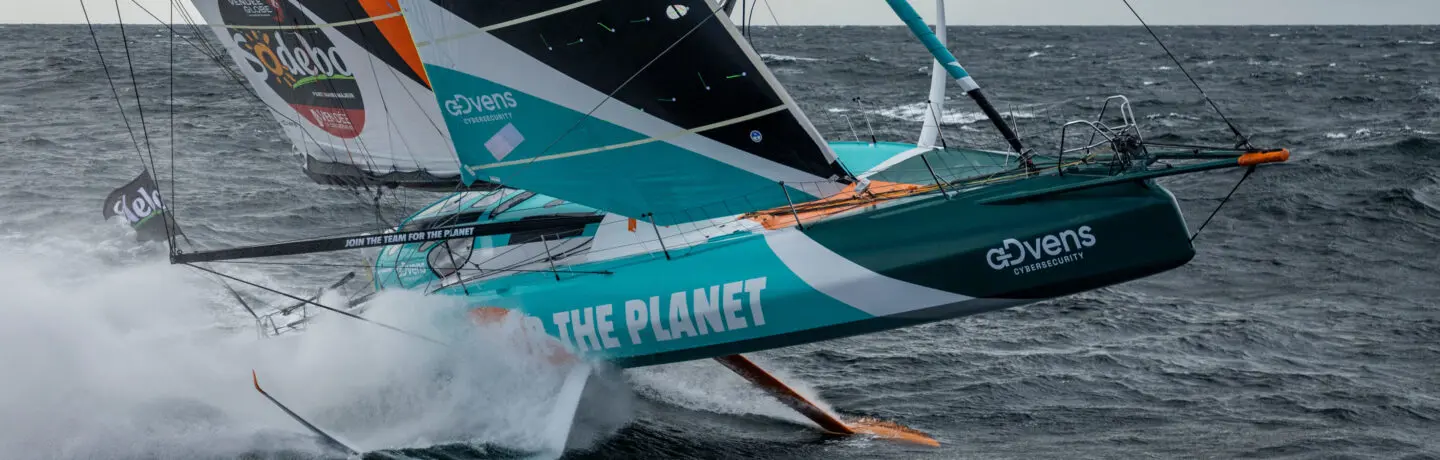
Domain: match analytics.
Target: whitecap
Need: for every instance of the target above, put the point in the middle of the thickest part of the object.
(916, 113)
(785, 58)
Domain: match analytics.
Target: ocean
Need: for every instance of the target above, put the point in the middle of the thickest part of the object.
(1307, 326)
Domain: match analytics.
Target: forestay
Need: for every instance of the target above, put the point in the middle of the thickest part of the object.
(345, 83)
(632, 106)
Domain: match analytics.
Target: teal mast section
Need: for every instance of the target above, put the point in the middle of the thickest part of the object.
(952, 66)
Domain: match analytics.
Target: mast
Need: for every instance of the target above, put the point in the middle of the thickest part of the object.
(917, 26)
(936, 104)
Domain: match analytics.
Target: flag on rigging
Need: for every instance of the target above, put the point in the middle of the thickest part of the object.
(139, 201)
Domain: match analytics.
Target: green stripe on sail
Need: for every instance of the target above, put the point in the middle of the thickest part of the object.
(315, 78)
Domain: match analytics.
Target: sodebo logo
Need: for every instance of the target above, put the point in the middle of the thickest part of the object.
(1043, 252)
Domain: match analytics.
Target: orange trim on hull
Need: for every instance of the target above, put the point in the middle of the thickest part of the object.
(847, 199)
(397, 32)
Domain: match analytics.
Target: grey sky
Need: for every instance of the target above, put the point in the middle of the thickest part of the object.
(960, 12)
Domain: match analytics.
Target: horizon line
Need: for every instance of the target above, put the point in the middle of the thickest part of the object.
(1336, 24)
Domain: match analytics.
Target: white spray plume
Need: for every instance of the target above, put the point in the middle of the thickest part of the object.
(100, 361)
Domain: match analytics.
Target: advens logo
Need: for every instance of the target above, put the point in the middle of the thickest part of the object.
(482, 109)
(1041, 253)
(301, 65)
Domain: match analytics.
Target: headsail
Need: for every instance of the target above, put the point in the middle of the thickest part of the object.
(635, 107)
(935, 104)
(934, 109)
(345, 83)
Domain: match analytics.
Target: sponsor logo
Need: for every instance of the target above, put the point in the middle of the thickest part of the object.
(715, 309)
(481, 109)
(136, 210)
(756, 137)
(302, 66)
(1041, 253)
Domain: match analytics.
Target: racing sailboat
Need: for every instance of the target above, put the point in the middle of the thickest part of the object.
(642, 190)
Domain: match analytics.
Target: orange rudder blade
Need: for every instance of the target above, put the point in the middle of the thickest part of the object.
(829, 422)
(891, 431)
(1273, 156)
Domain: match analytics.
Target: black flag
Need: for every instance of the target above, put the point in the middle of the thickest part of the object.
(139, 201)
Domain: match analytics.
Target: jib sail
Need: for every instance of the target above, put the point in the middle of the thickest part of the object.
(345, 83)
(636, 107)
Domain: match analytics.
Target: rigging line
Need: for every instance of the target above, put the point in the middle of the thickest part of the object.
(169, 199)
(608, 97)
(453, 263)
(239, 80)
(772, 12)
(501, 25)
(940, 133)
(327, 25)
(133, 140)
(215, 56)
(1244, 140)
(326, 307)
(665, 137)
(139, 107)
(209, 51)
(384, 105)
(150, 169)
(1192, 146)
(306, 264)
(1248, 171)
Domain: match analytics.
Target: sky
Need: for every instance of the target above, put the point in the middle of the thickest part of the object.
(959, 12)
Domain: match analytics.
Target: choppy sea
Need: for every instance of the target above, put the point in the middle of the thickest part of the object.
(1307, 327)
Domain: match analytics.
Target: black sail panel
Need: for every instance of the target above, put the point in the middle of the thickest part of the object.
(688, 76)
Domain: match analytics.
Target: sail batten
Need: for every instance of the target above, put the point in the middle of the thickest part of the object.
(326, 25)
(501, 25)
(635, 107)
(622, 145)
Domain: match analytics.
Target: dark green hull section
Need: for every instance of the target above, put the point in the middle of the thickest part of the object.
(1131, 230)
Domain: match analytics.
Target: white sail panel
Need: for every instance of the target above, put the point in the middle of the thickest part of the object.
(340, 80)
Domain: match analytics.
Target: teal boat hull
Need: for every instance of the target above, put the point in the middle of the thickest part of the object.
(911, 261)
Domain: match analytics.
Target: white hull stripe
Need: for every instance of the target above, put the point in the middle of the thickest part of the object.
(848, 282)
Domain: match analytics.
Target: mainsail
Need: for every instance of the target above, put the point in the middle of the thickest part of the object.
(345, 83)
(642, 108)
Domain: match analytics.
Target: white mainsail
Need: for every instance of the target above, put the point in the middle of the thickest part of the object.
(343, 81)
